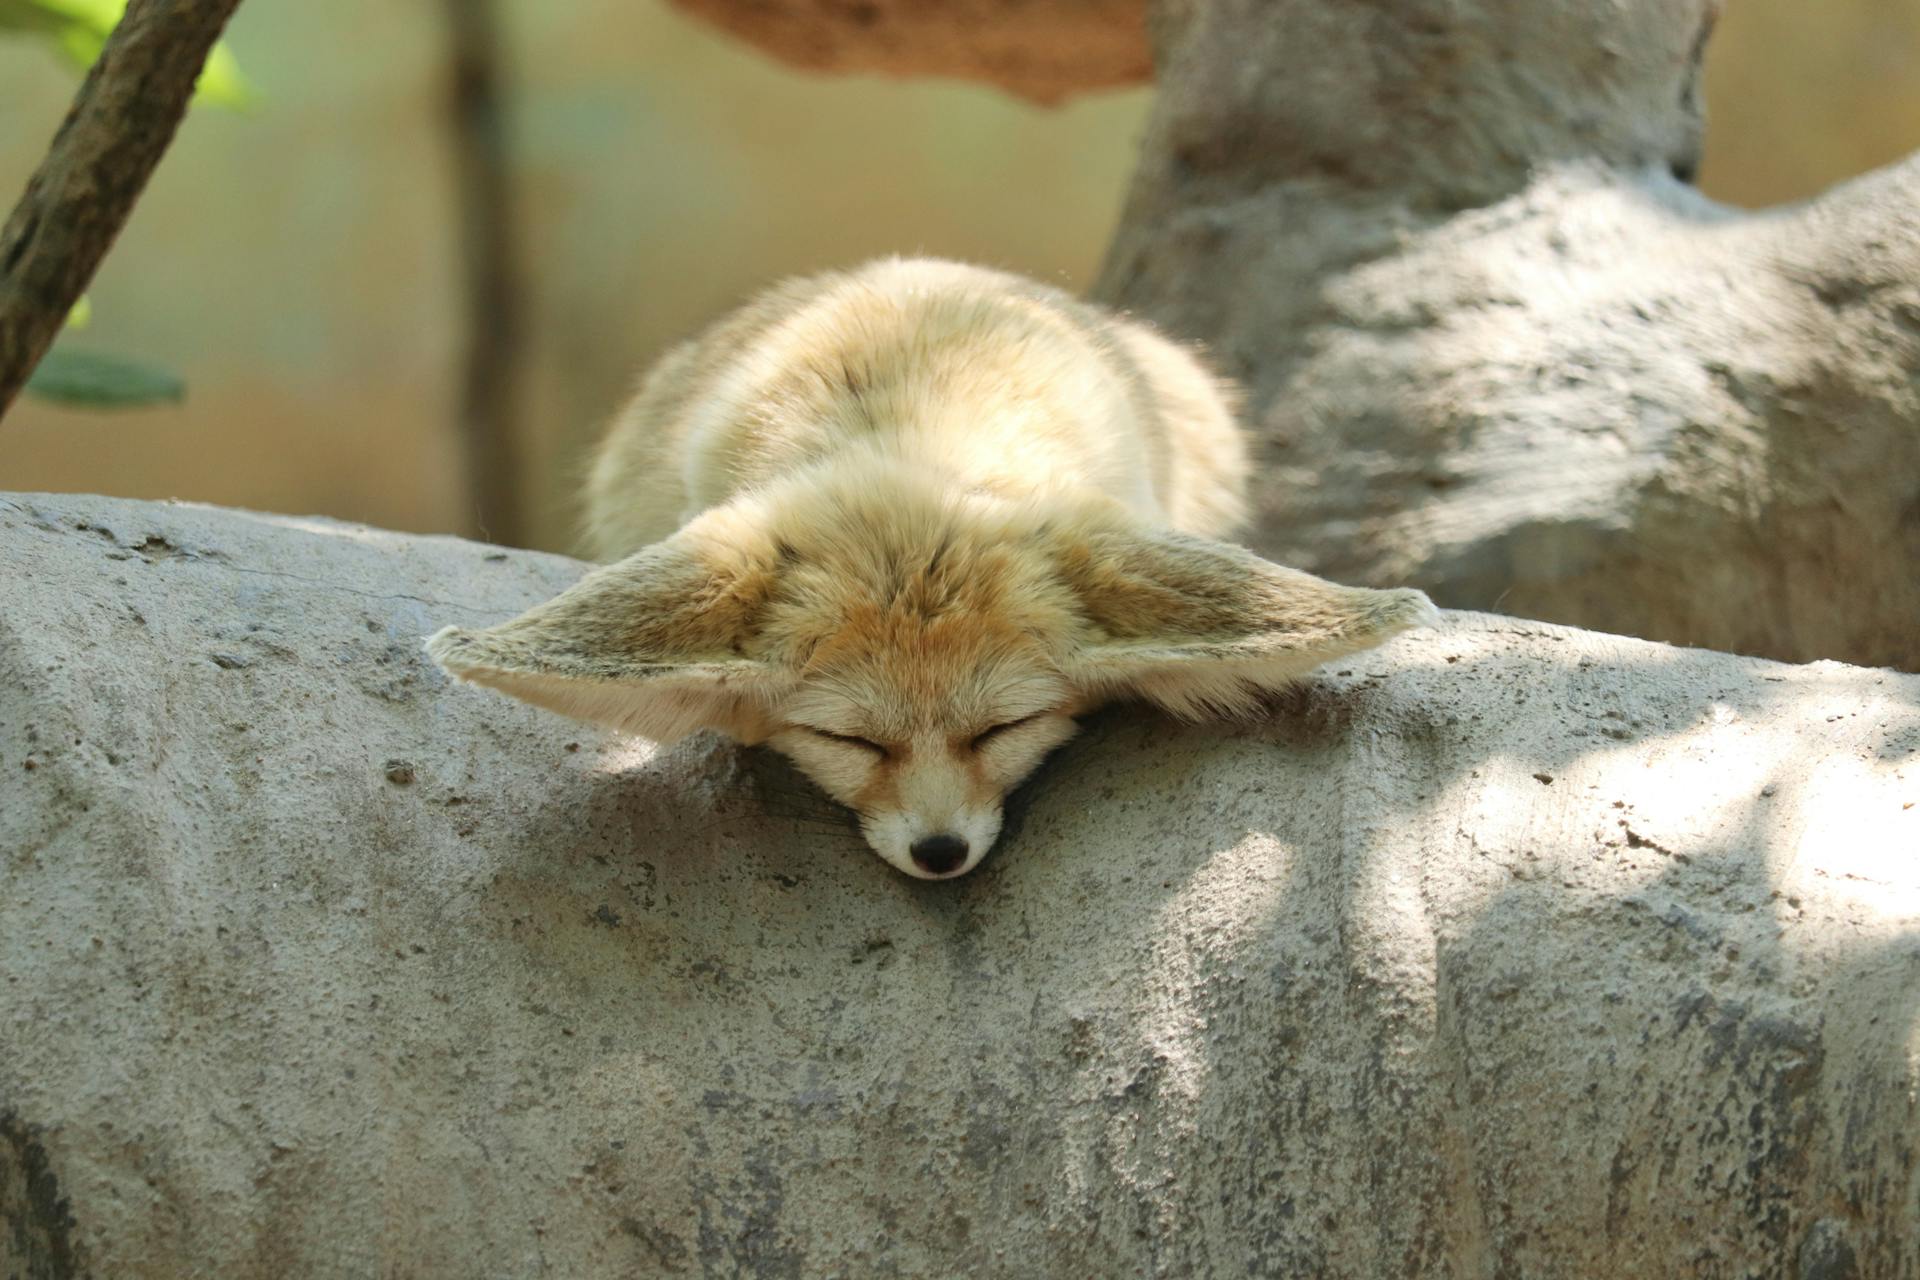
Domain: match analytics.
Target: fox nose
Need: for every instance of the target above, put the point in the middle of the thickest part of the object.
(940, 854)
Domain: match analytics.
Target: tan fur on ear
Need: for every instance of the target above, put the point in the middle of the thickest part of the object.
(1202, 627)
(655, 644)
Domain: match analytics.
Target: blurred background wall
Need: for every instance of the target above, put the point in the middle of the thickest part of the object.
(300, 265)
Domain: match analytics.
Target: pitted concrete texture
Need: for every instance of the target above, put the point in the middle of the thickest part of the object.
(1507, 950)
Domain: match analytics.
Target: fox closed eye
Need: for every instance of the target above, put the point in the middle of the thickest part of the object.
(986, 736)
(866, 743)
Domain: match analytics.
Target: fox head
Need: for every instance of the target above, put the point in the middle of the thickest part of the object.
(917, 651)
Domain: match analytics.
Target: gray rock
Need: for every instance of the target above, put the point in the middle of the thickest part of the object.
(1351, 991)
(1496, 346)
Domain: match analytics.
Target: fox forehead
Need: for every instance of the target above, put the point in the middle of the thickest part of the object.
(889, 669)
(879, 700)
(897, 609)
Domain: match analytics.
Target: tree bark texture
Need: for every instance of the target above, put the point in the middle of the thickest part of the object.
(1494, 344)
(1506, 950)
(76, 202)
(1042, 52)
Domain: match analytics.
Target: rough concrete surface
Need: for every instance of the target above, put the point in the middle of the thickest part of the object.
(1507, 950)
(1496, 346)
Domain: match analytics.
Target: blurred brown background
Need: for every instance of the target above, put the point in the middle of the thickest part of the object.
(299, 265)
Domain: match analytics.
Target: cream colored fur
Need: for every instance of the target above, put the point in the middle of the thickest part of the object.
(903, 523)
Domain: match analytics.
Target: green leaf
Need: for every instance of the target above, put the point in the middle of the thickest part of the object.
(41, 16)
(78, 29)
(61, 18)
(222, 85)
(81, 315)
(90, 380)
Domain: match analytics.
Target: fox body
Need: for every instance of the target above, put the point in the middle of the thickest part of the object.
(903, 524)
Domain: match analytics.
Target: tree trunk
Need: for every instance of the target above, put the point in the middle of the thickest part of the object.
(490, 272)
(1505, 950)
(1496, 347)
(81, 195)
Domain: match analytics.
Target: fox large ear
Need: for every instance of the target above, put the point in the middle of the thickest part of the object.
(1202, 627)
(653, 645)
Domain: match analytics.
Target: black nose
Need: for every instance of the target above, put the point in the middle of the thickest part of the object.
(939, 854)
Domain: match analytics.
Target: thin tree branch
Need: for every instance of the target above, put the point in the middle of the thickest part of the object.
(76, 202)
(490, 384)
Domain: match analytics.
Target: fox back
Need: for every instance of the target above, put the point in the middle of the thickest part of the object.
(985, 378)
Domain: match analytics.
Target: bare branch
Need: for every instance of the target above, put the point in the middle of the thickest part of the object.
(76, 202)
(491, 376)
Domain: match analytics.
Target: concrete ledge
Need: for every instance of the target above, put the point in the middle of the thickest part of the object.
(1505, 950)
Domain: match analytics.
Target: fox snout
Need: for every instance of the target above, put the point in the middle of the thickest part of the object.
(929, 797)
(939, 855)
(934, 845)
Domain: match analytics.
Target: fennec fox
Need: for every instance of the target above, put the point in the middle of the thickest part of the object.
(904, 524)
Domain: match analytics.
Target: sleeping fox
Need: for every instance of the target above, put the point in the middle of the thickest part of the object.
(903, 524)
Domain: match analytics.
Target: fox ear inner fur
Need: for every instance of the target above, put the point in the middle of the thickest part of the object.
(652, 645)
(1203, 627)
